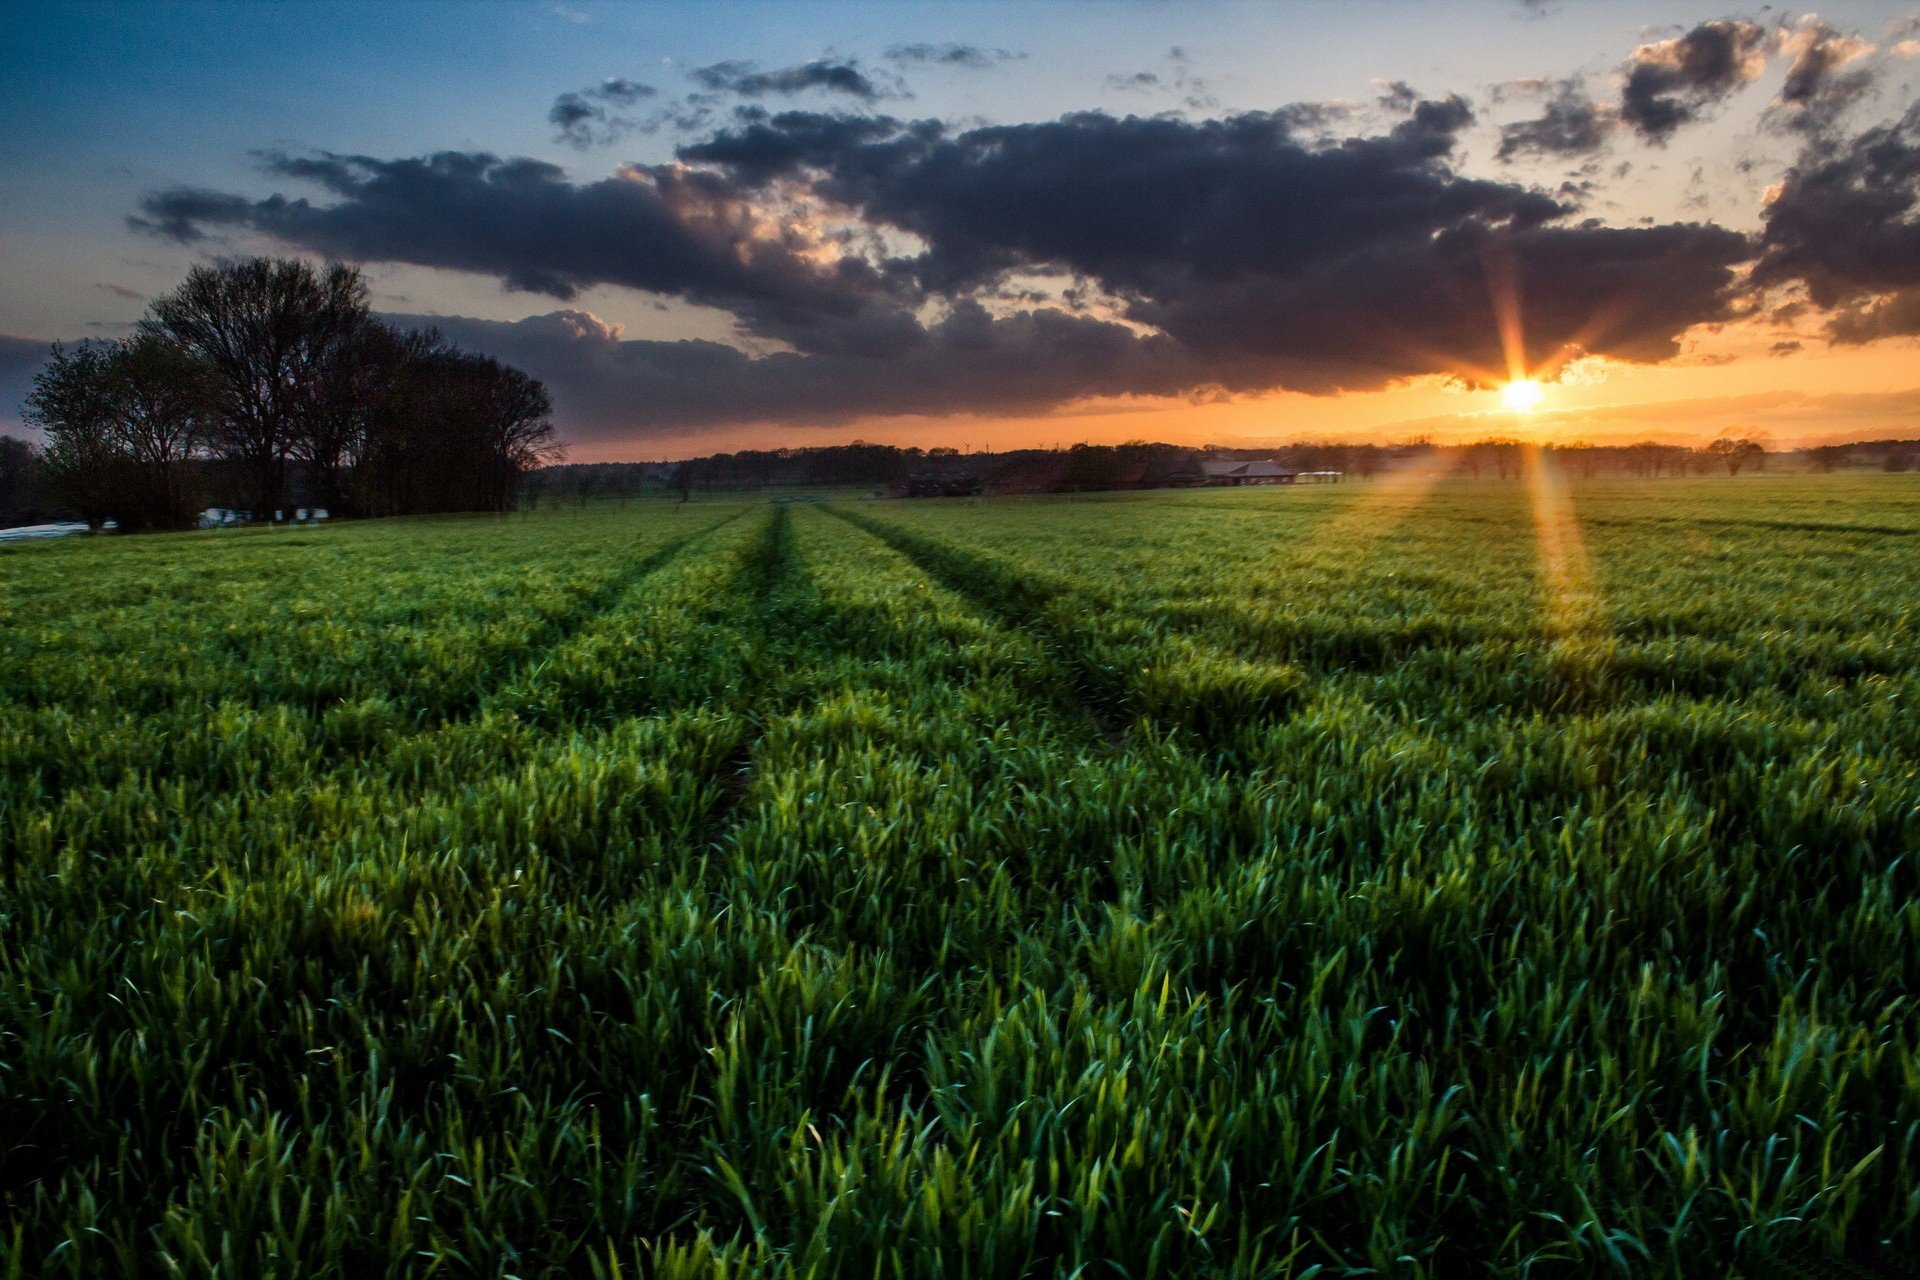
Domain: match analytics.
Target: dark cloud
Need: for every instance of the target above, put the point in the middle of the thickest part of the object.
(761, 146)
(179, 213)
(972, 57)
(1403, 308)
(607, 387)
(1827, 77)
(1572, 124)
(665, 229)
(1317, 120)
(1031, 264)
(1126, 200)
(827, 75)
(1843, 223)
(623, 91)
(1672, 82)
(1310, 267)
(1178, 77)
(587, 117)
(20, 359)
(1399, 96)
(1893, 315)
(1429, 131)
(572, 115)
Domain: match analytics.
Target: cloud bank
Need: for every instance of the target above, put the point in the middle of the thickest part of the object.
(1845, 224)
(19, 359)
(879, 264)
(906, 266)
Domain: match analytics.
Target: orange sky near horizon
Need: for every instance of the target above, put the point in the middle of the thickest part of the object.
(1725, 382)
(1260, 191)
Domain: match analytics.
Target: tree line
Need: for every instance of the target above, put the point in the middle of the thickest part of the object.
(264, 382)
(860, 464)
(1139, 464)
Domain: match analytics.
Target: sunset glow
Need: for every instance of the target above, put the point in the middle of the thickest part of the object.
(1572, 605)
(1087, 638)
(701, 244)
(1522, 395)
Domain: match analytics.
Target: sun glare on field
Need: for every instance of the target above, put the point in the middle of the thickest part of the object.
(1522, 395)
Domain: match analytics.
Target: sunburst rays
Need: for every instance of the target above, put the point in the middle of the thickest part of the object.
(1572, 607)
(1572, 602)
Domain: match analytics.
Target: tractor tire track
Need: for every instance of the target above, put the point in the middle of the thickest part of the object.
(1176, 682)
(1014, 602)
(577, 620)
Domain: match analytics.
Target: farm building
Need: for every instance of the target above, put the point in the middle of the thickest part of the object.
(952, 480)
(1229, 471)
(1029, 472)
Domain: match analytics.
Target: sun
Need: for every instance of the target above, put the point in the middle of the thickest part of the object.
(1522, 395)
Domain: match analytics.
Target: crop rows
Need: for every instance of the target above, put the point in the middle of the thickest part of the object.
(1370, 880)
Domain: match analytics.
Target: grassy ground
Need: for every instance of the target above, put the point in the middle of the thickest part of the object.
(1386, 878)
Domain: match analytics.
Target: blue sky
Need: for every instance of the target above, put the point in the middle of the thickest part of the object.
(102, 105)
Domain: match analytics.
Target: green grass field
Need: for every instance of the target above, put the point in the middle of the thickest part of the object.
(1371, 879)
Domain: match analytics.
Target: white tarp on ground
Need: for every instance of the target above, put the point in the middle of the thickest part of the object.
(28, 532)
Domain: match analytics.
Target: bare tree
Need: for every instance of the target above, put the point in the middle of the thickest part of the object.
(165, 400)
(516, 426)
(20, 469)
(268, 328)
(1826, 458)
(124, 421)
(72, 404)
(1503, 455)
(1737, 452)
(450, 430)
(348, 394)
